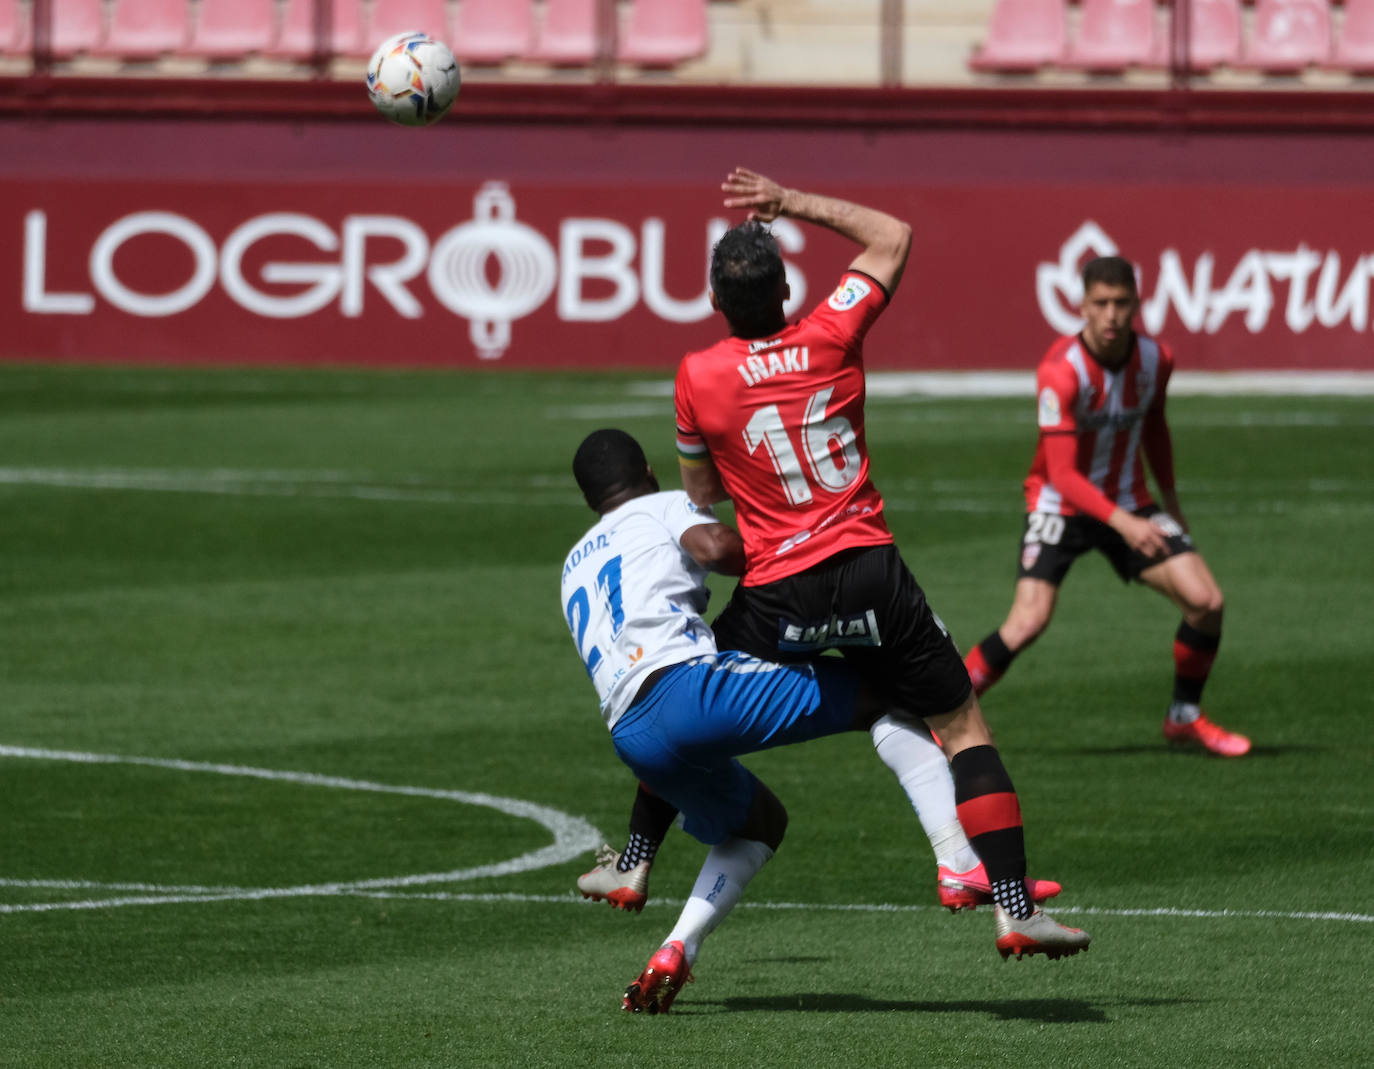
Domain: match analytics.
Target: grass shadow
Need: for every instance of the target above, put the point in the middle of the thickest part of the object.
(1183, 754)
(1044, 1010)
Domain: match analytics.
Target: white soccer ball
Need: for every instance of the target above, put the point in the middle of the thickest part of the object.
(413, 79)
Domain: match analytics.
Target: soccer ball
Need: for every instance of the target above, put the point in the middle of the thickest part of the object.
(413, 79)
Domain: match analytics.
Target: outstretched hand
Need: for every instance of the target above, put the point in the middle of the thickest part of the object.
(761, 195)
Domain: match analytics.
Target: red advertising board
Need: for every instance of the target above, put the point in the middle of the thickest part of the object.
(208, 241)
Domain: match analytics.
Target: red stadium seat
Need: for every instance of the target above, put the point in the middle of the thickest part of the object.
(77, 26)
(146, 29)
(1215, 35)
(1113, 35)
(15, 35)
(297, 37)
(493, 31)
(1355, 49)
(660, 33)
(229, 28)
(390, 17)
(1289, 35)
(567, 35)
(1023, 35)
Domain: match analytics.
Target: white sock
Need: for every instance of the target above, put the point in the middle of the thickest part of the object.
(724, 875)
(1184, 712)
(923, 771)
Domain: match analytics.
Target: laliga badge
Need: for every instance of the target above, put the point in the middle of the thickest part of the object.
(849, 293)
(1049, 408)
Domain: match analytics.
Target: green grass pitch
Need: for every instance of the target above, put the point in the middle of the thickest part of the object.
(320, 609)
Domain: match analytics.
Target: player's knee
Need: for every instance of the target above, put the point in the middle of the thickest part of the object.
(1207, 610)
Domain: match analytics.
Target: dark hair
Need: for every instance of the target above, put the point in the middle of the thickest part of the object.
(747, 277)
(607, 462)
(1111, 270)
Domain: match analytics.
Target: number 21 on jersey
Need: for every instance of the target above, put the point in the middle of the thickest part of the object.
(579, 611)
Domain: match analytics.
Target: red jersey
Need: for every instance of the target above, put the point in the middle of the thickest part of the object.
(1093, 424)
(782, 419)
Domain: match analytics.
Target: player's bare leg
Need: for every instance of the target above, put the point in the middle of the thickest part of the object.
(1032, 608)
(1186, 580)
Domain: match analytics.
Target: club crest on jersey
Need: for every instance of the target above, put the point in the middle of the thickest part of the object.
(1049, 408)
(849, 293)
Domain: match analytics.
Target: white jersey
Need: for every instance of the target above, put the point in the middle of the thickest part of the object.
(634, 599)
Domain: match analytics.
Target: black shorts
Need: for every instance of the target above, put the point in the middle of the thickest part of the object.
(866, 604)
(1051, 543)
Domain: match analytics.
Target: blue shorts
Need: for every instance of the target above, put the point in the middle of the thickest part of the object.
(683, 737)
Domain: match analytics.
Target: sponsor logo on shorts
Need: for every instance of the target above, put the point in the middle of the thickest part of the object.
(860, 629)
(849, 293)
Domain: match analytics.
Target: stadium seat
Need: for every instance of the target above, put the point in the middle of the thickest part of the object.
(567, 34)
(1355, 49)
(77, 26)
(146, 29)
(1289, 35)
(1023, 35)
(391, 17)
(297, 37)
(1215, 34)
(493, 31)
(1113, 35)
(225, 29)
(15, 38)
(661, 33)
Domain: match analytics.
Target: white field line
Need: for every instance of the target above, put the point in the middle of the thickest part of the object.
(573, 836)
(269, 484)
(967, 384)
(1181, 384)
(912, 495)
(179, 896)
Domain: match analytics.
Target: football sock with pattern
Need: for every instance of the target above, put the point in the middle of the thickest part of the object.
(987, 662)
(724, 875)
(1194, 652)
(650, 820)
(923, 771)
(991, 815)
(637, 849)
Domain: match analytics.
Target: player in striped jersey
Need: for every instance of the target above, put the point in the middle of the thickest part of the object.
(1100, 403)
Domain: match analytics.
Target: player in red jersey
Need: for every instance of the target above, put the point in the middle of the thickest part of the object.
(772, 417)
(1101, 414)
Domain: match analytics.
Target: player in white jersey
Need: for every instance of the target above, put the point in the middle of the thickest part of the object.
(1100, 401)
(680, 712)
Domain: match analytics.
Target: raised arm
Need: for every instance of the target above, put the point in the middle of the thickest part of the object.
(886, 240)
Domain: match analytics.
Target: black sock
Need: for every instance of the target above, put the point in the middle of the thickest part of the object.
(650, 820)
